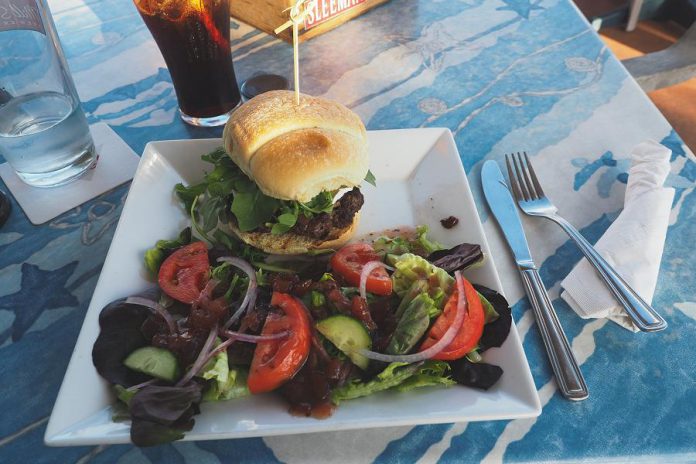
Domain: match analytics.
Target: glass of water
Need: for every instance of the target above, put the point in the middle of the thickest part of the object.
(43, 132)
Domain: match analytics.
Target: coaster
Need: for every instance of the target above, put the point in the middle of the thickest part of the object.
(116, 165)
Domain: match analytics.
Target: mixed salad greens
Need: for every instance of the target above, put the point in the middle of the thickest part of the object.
(226, 321)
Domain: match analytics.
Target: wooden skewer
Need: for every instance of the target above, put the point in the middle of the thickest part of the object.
(297, 15)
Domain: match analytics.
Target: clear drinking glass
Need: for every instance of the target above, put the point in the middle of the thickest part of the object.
(43, 132)
(194, 38)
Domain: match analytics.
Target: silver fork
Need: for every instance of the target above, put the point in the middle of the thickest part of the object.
(531, 199)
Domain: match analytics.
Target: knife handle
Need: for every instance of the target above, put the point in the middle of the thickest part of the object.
(568, 375)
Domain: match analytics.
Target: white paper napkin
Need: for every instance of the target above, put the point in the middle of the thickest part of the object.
(634, 242)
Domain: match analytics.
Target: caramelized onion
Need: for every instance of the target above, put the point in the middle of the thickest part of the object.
(252, 338)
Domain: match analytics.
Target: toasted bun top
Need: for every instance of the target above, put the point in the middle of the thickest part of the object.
(294, 152)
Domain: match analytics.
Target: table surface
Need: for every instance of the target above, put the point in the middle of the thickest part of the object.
(503, 75)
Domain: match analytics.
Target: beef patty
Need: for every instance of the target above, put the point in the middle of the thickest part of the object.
(341, 217)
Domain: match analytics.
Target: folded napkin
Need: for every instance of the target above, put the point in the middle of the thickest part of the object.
(633, 244)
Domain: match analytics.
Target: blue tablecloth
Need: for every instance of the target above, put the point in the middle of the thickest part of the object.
(503, 75)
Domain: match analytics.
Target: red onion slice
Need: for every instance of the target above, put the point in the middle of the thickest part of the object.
(238, 336)
(437, 347)
(365, 273)
(156, 307)
(249, 299)
(252, 338)
(135, 388)
(203, 357)
(222, 346)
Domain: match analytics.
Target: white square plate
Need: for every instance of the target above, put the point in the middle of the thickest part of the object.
(420, 180)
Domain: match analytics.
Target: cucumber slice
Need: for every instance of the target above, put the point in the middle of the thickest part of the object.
(157, 362)
(349, 336)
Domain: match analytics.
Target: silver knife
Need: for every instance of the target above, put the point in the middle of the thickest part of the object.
(568, 375)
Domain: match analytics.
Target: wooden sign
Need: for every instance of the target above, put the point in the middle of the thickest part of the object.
(326, 15)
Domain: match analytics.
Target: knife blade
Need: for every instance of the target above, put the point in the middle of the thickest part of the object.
(504, 209)
(565, 367)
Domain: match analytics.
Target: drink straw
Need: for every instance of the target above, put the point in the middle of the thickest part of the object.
(298, 12)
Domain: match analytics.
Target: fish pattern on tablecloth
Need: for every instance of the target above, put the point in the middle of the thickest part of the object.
(503, 75)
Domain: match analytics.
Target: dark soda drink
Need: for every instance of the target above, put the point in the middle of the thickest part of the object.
(194, 38)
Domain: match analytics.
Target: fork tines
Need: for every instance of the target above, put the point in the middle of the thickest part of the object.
(523, 180)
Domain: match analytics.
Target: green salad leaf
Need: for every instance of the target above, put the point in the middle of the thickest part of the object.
(425, 243)
(188, 194)
(322, 203)
(253, 209)
(489, 311)
(228, 241)
(432, 373)
(235, 387)
(418, 243)
(153, 260)
(393, 375)
(184, 238)
(411, 268)
(286, 221)
(225, 383)
(124, 394)
(412, 324)
(217, 368)
(417, 287)
(396, 376)
(317, 299)
(474, 356)
(370, 178)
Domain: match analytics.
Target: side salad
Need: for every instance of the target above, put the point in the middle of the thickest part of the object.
(226, 321)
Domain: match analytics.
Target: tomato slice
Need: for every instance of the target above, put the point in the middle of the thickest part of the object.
(276, 361)
(470, 331)
(348, 263)
(184, 273)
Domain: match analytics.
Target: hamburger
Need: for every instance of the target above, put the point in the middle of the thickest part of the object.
(307, 162)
